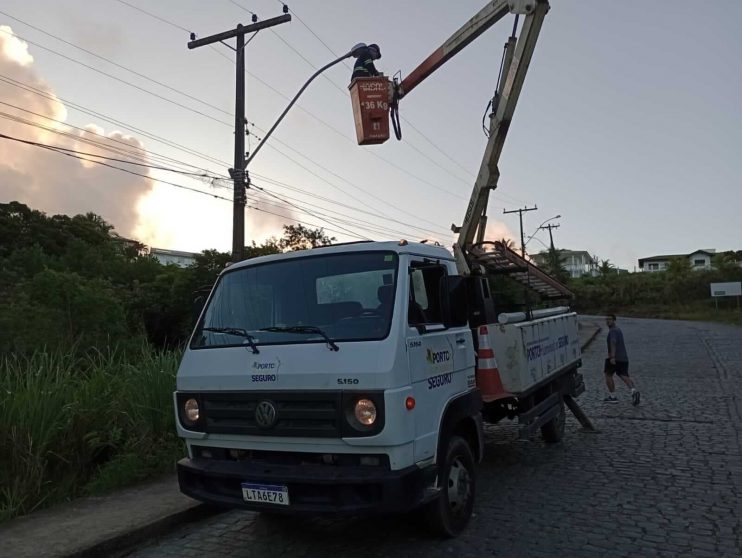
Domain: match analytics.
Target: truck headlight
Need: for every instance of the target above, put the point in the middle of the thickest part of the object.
(191, 411)
(365, 412)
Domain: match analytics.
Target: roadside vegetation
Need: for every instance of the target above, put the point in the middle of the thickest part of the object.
(91, 332)
(678, 293)
(92, 328)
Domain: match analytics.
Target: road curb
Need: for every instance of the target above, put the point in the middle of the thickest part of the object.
(122, 544)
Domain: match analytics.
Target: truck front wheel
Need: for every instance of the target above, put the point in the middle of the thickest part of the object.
(449, 514)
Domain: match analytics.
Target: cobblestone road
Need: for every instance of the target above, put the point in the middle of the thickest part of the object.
(661, 479)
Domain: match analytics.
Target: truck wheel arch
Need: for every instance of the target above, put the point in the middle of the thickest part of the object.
(462, 417)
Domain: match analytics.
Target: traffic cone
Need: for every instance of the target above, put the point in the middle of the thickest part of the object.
(488, 375)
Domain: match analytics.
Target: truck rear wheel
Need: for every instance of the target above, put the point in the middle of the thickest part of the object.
(553, 431)
(449, 514)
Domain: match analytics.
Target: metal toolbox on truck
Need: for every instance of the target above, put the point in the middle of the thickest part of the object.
(527, 353)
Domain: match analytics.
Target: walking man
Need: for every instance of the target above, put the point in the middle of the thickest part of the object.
(617, 362)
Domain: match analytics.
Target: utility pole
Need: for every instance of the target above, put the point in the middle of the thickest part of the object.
(551, 237)
(520, 213)
(240, 178)
(526, 293)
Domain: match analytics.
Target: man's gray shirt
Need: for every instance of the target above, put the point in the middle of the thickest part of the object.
(615, 335)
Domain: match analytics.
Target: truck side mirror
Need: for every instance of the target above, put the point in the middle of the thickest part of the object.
(453, 300)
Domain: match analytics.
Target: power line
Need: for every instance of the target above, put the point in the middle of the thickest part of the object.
(318, 215)
(134, 157)
(75, 156)
(394, 165)
(109, 119)
(111, 76)
(358, 222)
(154, 16)
(141, 153)
(214, 179)
(335, 202)
(203, 114)
(212, 118)
(108, 60)
(86, 157)
(298, 221)
(71, 153)
(114, 159)
(407, 121)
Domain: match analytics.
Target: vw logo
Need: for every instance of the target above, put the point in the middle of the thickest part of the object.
(265, 414)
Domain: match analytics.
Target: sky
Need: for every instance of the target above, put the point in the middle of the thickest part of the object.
(628, 126)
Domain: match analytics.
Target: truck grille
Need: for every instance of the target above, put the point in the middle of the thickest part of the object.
(302, 414)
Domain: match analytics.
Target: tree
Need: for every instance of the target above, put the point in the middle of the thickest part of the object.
(606, 268)
(678, 266)
(508, 243)
(555, 266)
(270, 246)
(726, 262)
(299, 237)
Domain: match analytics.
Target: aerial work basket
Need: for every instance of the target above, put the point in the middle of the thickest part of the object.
(370, 98)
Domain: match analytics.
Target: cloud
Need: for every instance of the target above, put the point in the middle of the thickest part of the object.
(138, 207)
(497, 230)
(13, 48)
(48, 180)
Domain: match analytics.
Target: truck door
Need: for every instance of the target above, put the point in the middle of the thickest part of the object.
(436, 370)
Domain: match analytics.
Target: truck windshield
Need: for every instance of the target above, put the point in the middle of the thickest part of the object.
(349, 297)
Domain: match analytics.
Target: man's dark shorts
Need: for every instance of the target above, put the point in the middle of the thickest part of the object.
(620, 368)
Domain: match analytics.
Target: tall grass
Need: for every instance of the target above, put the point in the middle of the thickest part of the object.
(74, 423)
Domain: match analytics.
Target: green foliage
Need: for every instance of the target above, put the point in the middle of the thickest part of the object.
(679, 267)
(74, 423)
(555, 266)
(606, 268)
(679, 291)
(65, 279)
(85, 385)
(299, 237)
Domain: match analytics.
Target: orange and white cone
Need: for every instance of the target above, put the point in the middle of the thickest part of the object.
(488, 375)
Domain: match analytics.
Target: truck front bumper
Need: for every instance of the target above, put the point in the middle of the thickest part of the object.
(312, 488)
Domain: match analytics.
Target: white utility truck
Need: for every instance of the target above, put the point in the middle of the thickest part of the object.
(356, 377)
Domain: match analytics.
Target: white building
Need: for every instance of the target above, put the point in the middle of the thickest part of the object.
(700, 259)
(176, 257)
(577, 262)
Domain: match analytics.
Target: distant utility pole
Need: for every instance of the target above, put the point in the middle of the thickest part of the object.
(241, 180)
(551, 237)
(520, 212)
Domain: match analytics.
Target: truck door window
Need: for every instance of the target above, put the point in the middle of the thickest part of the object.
(424, 306)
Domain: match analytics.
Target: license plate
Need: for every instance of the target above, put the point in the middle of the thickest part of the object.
(265, 494)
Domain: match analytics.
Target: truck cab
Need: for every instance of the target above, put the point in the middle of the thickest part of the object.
(339, 379)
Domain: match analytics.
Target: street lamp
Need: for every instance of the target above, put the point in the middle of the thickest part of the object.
(539, 228)
(354, 52)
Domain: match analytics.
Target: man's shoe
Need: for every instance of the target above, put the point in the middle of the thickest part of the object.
(635, 397)
(610, 399)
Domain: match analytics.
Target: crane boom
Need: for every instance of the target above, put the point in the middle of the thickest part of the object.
(516, 61)
(475, 216)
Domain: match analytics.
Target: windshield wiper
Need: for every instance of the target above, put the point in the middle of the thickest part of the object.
(235, 331)
(303, 329)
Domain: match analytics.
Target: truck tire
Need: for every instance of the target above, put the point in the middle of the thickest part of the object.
(449, 514)
(553, 431)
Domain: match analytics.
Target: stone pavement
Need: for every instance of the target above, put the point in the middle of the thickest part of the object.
(661, 479)
(108, 525)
